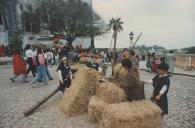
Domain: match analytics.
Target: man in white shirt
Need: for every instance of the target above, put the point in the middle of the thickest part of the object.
(29, 54)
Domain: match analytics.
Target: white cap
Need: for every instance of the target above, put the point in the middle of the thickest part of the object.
(64, 58)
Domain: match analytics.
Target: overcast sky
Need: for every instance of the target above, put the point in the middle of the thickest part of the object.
(168, 23)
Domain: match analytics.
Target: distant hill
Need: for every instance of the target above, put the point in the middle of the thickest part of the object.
(190, 50)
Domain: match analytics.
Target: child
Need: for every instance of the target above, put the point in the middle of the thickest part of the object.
(64, 74)
(19, 67)
(161, 83)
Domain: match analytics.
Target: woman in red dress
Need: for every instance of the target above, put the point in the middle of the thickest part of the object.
(19, 67)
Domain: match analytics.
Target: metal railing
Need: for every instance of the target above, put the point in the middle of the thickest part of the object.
(185, 61)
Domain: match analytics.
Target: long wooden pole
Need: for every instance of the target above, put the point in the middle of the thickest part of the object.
(39, 103)
(136, 40)
(44, 99)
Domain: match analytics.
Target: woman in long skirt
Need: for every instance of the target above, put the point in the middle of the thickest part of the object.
(19, 67)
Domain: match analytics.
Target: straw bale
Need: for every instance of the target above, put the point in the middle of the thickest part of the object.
(84, 59)
(117, 68)
(110, 93)
(76, 98)
(137, 114)
(119, 72)
(96, 109)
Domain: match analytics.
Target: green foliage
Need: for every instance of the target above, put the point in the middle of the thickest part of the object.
(115, 24)
(16, 41)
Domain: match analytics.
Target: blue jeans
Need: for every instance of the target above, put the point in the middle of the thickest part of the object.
(47, 72)
(41, 74)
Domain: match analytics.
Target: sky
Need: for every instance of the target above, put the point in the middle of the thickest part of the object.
(167, 23)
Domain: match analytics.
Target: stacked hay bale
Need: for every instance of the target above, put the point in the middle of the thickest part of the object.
(84, 59)
(139, 114)
(106, 93)
(96, 109)
(110, 93)
(76, 98)
(117, 68)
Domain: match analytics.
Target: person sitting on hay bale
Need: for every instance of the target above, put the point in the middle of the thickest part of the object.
(133, 87)
(94, 65)
(64, 74)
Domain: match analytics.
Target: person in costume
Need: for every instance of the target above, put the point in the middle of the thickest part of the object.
(94, 65)
(64, 74)
(129, 80)
(161, 83)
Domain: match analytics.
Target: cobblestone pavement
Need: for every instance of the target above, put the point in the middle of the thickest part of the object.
(181, 99)
(15, 98)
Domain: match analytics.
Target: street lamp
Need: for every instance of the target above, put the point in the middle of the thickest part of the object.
(131, 35)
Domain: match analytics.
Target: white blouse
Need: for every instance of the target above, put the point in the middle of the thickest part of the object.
(29, 53)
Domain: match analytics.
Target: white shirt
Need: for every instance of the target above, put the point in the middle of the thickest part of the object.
(60, 75)
(164, 88)
(45, 55)
(34, 53)
(49, 55)
(29, 53)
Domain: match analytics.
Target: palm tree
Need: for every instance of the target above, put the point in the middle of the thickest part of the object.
(116, 25)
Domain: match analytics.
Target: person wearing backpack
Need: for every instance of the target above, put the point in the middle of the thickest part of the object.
(41, 70)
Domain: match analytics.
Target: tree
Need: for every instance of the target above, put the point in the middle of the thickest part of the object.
(16, 41)
(31, 19)
(70, 18)
(2, 4)
(116, 25)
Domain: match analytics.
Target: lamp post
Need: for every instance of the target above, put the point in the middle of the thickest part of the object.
(131, 36)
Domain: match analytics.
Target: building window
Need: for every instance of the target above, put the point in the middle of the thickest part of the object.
(1, 20)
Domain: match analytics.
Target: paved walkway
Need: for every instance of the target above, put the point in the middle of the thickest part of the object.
(15, 98)
(181, 99)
